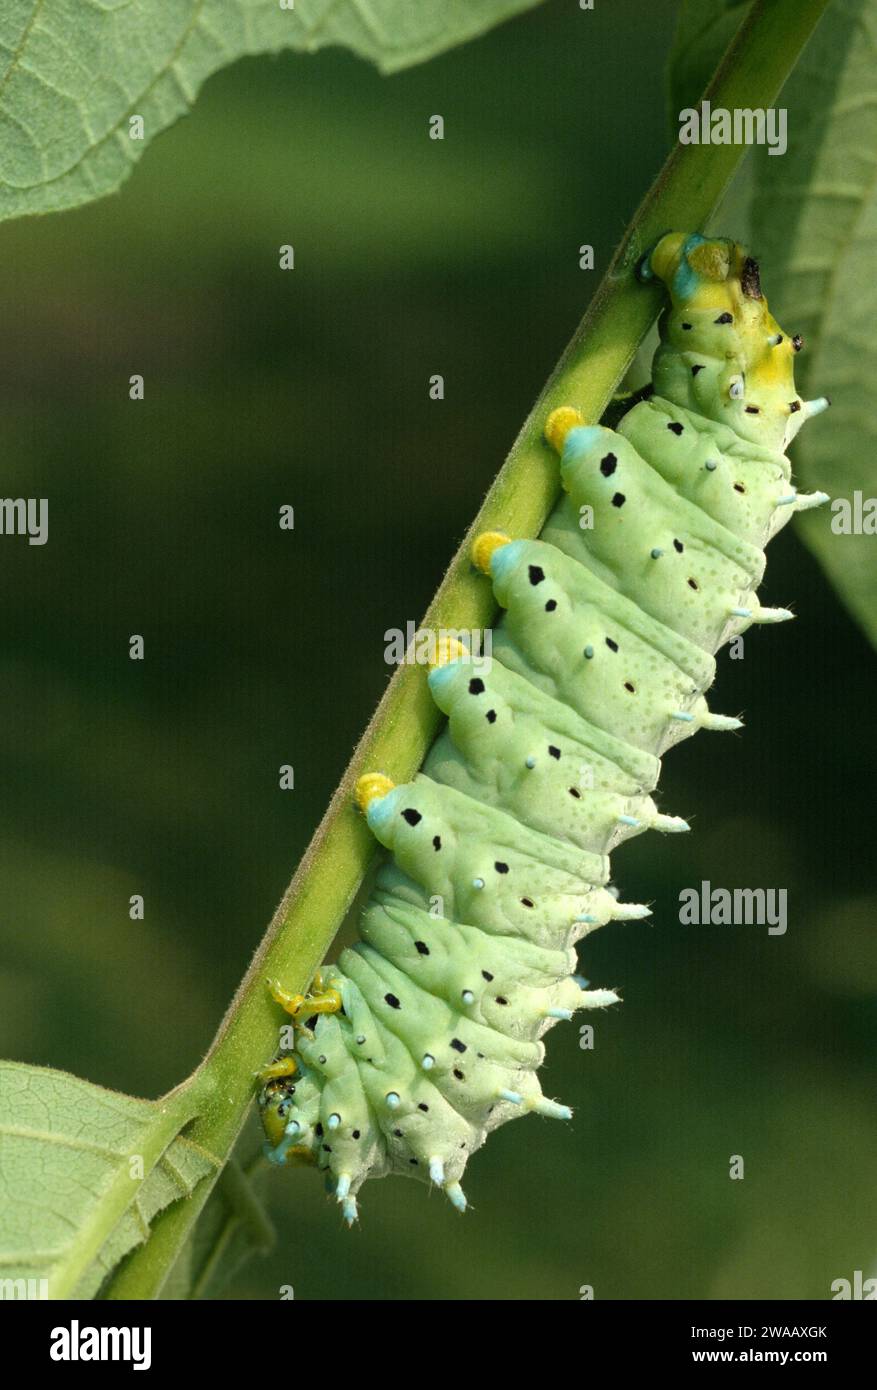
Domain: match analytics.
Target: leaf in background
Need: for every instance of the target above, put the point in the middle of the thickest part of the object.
(703, 32)
(814, 220)
(232, 1227)
(72, 1203)
(73, 76)
(811, 217)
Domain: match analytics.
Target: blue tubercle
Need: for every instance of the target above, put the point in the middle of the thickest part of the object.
(380, 811)
(580, 440)
(686, 280)
(504, 559)
(441, 676)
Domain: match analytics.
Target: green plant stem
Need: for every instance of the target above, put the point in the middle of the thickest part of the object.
(751, 74)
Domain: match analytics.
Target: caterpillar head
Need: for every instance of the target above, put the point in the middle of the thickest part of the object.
(281, 1109)
(722, 354)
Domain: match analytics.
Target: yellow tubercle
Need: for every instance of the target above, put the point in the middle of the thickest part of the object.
(664, 259)
(370, 786)
(559, 424)
(711, 259)
(484, 546)
(448, 649)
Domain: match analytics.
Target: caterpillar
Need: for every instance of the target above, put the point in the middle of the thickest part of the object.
(428, 1032)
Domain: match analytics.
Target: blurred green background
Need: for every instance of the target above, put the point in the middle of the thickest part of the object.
(265, 647)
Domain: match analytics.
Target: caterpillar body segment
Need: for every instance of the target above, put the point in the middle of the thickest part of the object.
(429, 1032)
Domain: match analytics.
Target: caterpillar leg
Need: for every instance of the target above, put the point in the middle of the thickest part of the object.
(288, 1154)
(279, 1068)
(318, 1000)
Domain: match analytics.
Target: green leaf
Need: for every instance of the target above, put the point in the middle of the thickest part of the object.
(73, 76)
(83, 1173)
(814, 221)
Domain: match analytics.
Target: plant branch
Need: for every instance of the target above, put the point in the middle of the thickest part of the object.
(751, 74)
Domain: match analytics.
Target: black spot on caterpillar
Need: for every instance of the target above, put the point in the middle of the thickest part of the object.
(498, 849)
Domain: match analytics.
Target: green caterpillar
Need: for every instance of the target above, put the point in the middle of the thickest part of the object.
(427, 1034)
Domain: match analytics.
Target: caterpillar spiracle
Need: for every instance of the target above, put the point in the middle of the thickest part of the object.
(427, 1034)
